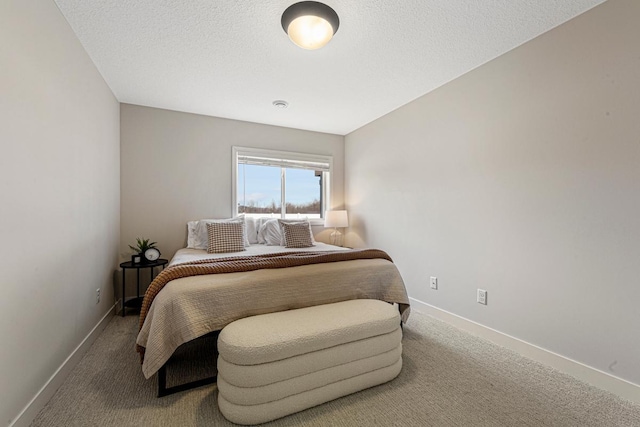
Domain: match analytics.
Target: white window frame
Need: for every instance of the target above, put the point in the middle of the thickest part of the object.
(284, 155)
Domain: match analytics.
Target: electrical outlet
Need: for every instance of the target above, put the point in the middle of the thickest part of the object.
(97, 295)
(434, 282)
(482, 296)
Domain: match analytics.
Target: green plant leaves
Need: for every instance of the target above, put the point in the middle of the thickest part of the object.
(142, 245)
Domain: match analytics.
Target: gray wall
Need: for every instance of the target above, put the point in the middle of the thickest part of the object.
(176, 167)
(522, 178)
(60, 197)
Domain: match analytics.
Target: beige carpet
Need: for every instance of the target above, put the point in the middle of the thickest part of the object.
(449, 378)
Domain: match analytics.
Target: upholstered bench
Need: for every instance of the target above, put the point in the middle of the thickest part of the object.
(273, 365)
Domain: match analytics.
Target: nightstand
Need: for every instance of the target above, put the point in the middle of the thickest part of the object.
(137, 301)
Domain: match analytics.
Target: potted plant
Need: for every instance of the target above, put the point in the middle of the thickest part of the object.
(141, 246)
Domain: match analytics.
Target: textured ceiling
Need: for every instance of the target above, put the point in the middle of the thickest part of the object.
(231, 58)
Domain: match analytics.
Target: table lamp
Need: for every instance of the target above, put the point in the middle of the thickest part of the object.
(336, 219)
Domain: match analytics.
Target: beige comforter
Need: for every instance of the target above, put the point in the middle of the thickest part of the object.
(190, 307)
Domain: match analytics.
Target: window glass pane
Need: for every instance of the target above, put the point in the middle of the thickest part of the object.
(303, 193)
(259, 189)
(259, 184)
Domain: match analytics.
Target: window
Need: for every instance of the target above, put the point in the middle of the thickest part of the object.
(282, 184)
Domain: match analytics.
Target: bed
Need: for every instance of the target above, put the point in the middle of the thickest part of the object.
(193, 306)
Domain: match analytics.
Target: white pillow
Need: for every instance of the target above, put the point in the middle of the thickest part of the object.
(199, 238)
(270, 233)
(252, 229)
(191, 234)
(259, 224)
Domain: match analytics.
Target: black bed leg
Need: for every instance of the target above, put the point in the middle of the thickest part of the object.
(162, 381)
(164, 391)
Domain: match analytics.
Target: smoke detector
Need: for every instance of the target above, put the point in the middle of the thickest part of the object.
(280, 104)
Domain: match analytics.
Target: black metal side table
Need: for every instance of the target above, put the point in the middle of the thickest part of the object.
(137, 301)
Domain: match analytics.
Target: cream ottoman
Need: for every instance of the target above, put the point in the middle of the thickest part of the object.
(276, 364)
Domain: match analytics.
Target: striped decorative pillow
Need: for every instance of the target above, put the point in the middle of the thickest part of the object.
(296, 235)
(225, 237)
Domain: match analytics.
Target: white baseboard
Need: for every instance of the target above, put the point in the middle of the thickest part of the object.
(28, 414)
(625, 389)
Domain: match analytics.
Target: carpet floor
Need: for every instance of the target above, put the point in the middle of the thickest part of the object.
(449, 378)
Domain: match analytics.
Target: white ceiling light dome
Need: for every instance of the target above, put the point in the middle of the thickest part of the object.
(310, 24)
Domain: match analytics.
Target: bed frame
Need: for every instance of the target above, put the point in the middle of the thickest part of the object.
(399, 294)
(163, 390)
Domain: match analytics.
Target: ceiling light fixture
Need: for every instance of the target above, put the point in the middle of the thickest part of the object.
(310, 24)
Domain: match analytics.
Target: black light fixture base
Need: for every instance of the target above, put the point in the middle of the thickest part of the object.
(313, 8)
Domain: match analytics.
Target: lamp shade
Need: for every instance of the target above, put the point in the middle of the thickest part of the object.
(310, 24)
(336, 219)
